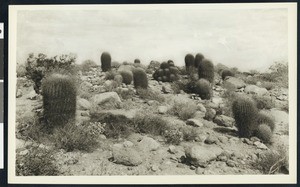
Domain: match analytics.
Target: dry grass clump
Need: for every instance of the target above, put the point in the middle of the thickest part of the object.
(184, 110)
(148, 94)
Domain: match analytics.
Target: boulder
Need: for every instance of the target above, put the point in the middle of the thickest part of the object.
(223, 120)
(107, 97)
(19, 93)
(83, 104)
(162, 109)
(201, 155)
(86, 87)
(253, 89)
(32, 95)
(233, 82)
(194, 123)
(148, 144)
(127, 156)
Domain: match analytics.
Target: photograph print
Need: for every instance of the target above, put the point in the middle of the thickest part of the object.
(152, 93)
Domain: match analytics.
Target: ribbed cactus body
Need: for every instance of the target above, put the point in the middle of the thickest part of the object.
(198, 58)
(225, 73)
(171, 63)
(203, 89)
(164, 65)
(189, 62)
(127, 76)
(105, 61)
(137, 61)
(245, 112)
(263, 118)
(264, 133)
(59, 99)
(140, 78)
(206, 70)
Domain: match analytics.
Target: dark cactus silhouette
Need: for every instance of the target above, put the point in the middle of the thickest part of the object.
(198, 58)
(164, 65)
(140, 78)
(173, 77)
(105, 61)
(263, 118)
(245, 113)
(127, 76)
(225, 73)
(264, 133)
(189, 61)
(206, 70)
(59, 100)
(174, 70)
(171, 63)
(137, 61)
(203, 89)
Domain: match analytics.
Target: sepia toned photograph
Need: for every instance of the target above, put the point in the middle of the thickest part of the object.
(176, 93)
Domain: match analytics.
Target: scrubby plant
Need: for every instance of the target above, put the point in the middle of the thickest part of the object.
(189, 61)
(226, 73)
(59, 100)
(198, 58)
(21, 70)
(127, 76)
(72, 137)
(110, 75)
(206, 70)
(140, 78)
(173, 136)
(105, 61)
(264, 118)
(137, 61)
(184, 110)
(38, 67)
(148, 94)
(203, 89)
(245, 113)
(264, 133)
(150, 124)
(263, 102)
(87, 65)
(36, 162)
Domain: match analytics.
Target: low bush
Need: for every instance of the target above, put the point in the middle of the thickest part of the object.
(263, 102)
(148, 94)
(173, 136)
(150, 124)
(184, 110)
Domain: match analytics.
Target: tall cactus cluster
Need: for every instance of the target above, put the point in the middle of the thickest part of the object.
(59, 100)
(206, 70)
(105, 61)
(250, 122)
(140, 78)
(167, 72)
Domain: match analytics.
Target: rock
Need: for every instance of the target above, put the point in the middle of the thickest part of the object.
(127, 156)
(32, 95)
(194, 123)
(247, 141)
(86, 87)
(199, 115)
(280, 116)
(231, 163)
(210, 140)
(210, 114)
(253, 89)
(128, 144)
(83, 104)
(201, 107)
(97, 81)
(223, 120)
(166, 88)
(217, 100)
(148, 144)
(24, 152)
(222, 158)
(172, 149)
(260, 145)
(223, 139)
(233, 82)
(84, 113)
(152, 102)
(105, 98)
(154, 168)
(201, 155)
(102, 137)
(162, 109)
(19, 93)
(199, 171)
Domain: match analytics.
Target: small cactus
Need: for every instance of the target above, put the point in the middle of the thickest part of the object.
(198, 58)
(174, 70)
(171, 63)
(137, 61)
(206, 70)
(245, 113)
(164, 65)
(59, 100)
(140, 78)
(105, 61)
(127, 76)
(189, 61)
(173, 77)
(225, 73)
(167, 72)
(264, 133)
(165, 79)
(263, 118)
(203, 89)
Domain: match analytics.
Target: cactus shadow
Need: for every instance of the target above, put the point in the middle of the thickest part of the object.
(227, 131)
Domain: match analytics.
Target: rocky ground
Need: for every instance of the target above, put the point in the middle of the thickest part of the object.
(216, 149)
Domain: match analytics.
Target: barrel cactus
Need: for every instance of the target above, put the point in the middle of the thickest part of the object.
(171, 63)
(140, 78)
(164, 65)
(59, 100)
(225, 73)
(203, 89)
(198, 58)
(206, 70)
(264, 118)
(245, 113)
(127, 76)
(264, 133)
(105, 61)
(189, 61)
(137, 61)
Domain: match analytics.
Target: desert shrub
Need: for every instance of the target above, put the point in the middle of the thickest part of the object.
(206, 70)
(189, 62)
(21, 70)
(36, 162)
(245, 112)
(87, 65)
(125, 93)
(72, 137)
(150, 124)
(184, 110)
(38, 67)
(173, 136)
(264, 118)
(148, 94)
(203, 89)
(189, 133)
(127, 76)
(198, 58)
(268, 85)
(105, 61)
(272, 161)
(263, 102)
(59, 100)
(226, 73)
(140, 78)
(264, 133)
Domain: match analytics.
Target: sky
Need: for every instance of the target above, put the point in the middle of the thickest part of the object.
(246, 39)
